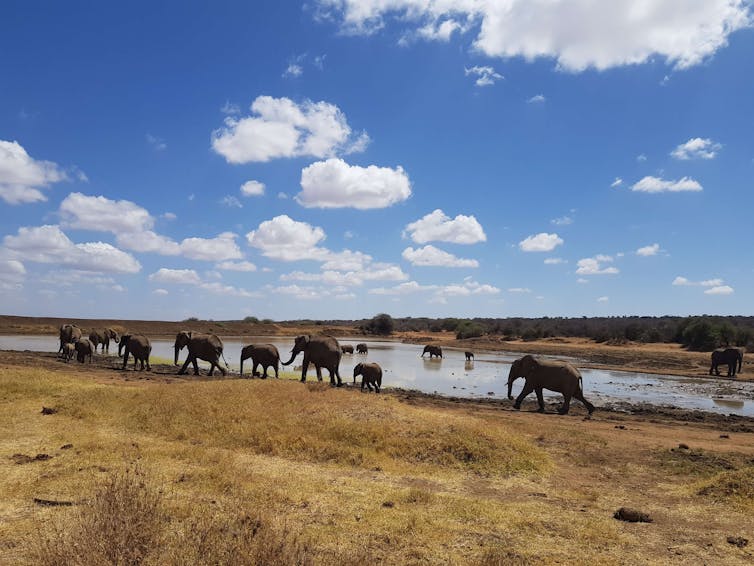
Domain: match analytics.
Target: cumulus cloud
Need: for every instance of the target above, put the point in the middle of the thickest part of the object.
(519, 290)
(278, 128)
(595, 266)
(485, 75)
(406, 288)
(542, 242)
(48, 244)
(376, 272)
(22, 177)
(652, 249)
(252, 189)
(603, 299)
(696, 148)
(683, 282)
(537, 99)
(437, 226)
(440, 293)
(651, 184)
(222, 247)
(577, 34)
(719, 290)
(430, 256)
(12, 274)
(160, 292)
(286, 239)
(336, 184)
(555, 261)
(191, 277)
(245, 266)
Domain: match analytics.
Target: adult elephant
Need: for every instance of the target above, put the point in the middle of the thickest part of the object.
(137, 345)
(84, 349)
(207, 347)
(69, 333)
(346, 349)
(371, 374)
(552, 375)
(102, 337)
(322, 351)
(433, 351)
(362, 348)
(266, 355)
(731, 357)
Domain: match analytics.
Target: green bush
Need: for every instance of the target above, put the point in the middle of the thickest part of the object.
(468, 329)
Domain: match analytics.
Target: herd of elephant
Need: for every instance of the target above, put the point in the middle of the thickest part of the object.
(325, 352)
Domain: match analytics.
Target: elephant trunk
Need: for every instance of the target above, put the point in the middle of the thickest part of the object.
(175, 359)
(294, 353)
(241, 364)
(511, 379)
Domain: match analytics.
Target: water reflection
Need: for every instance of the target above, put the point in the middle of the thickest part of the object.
(486, 376)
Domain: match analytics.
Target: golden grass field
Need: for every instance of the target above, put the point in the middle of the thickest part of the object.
(162, 470)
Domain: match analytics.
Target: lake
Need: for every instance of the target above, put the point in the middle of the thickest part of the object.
(486, 376)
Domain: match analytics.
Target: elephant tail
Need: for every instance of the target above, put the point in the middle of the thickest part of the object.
(740, 360)
(226, 361)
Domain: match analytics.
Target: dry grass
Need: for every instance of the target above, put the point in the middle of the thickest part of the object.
(736, 487)
(273, 472)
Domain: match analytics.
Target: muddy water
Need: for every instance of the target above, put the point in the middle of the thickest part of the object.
(486, 376)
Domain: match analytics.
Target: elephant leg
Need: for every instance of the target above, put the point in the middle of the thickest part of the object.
(566, 404)
(369, 386)
(276, 371)
(185, 366)
(528, 388)
(211, 368)
(334, 371)
(304, 368)
(254, 366)
(540, 399)
(264, 371)
(580, 396)
(319, 372)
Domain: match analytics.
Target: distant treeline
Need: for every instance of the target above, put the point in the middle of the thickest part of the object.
(700, 333)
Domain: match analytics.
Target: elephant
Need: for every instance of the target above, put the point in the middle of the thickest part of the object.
(69, 350)
(433, 351)
(84, 348)
(362, 348)
(102, 336)
(266, 355)
(729, 356)
(69, 333)
(469, 356)
(371, 375)
(547, 374)
(346, 349)
(322, 351)
(137, 345)
(207, 347)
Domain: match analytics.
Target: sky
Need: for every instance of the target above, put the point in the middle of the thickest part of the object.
(335, 159)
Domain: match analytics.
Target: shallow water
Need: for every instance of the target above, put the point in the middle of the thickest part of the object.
(486, 376)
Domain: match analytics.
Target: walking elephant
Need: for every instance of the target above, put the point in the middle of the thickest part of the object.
(84, 348)
(371, 374)
(322, 351)
(68, 333)
(726, 356)
(552, 375)
(102, 336)
(207, 347)
(69, 350)
(469, 356)
(362, 348)
(346, 349)
(266, 355)
(433, 351)
(137, 345)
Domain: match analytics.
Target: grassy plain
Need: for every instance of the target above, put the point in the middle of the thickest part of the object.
(198, 470)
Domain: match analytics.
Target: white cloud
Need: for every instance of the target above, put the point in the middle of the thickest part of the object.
(220, 248)
(252, 189)
(48, 244)
(230, 109)
(336, 184)
(582, 280)
(22, 177)
(169, 216)
(617, 183)
(431, 256)
(406, 288)
(104, 215)
(293, 70)
(555, 261)
(537, 99)
(282, 195)
(231, 202)
(467, 288)
(286, 239)
(651, 184)
(720, 290)
(562, 221)
(683, 281)
(376, 272)
(346, 260)
(696, 148)
(160, 292)
(603, 299)
(157, 144)
(578, 34)
(12, 274)
(542, 242)
(652, 249)
(595, 266)
(436, 226)
(148, 242)
(485, 75)
(191, 277)
(246, 266)
(278, 127)
(519, 290)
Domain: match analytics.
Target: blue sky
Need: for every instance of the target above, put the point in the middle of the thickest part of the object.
(340, 158)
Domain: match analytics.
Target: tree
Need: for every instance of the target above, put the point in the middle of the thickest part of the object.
(381, 324)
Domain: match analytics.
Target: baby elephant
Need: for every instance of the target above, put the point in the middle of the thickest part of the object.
(84, 348)
(469, 356)
(69, 350)
(371, 375)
